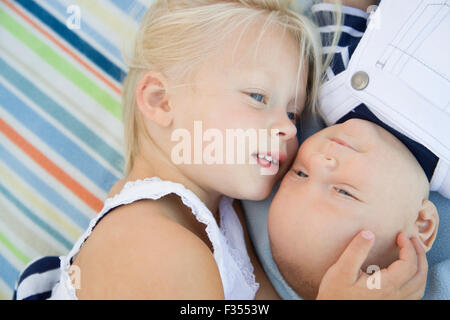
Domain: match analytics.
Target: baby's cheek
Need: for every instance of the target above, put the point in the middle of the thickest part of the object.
(385, 249)
(316, 236)
(332, 234)
(285, 228)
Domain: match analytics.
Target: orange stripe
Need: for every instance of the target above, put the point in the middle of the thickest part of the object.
(62, 47)
(87, 197)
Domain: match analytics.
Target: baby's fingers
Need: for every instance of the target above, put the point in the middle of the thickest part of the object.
(350, 262)
(415, 288)
(404, 269)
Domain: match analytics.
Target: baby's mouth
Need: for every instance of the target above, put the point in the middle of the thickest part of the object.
(342, 143)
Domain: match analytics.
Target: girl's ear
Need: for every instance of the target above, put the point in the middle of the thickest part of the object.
(153, 100)
(427, 224)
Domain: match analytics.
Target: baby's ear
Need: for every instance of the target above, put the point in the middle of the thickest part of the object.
(427, 224)
(152, 98)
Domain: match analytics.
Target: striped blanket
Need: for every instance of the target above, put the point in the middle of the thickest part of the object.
(61, 70)
(61, 140)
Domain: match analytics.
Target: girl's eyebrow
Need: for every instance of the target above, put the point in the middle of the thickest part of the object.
(265, 73)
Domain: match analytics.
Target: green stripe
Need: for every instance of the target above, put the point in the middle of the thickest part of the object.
(29, 236)
(60, 64)
(19, 255)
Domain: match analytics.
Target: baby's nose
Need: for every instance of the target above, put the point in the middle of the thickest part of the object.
(324, 161)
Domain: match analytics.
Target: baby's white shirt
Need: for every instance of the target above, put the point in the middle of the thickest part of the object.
(403, 56)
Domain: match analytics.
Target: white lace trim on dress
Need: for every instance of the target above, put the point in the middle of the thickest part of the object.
(199, 210)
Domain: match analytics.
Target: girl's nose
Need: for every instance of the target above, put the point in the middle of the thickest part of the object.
(285, 127)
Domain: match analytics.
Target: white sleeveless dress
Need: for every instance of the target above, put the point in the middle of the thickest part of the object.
(228, 241)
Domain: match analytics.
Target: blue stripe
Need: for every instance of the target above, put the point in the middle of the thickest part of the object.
(8, 273)
(40, 296)
(325, 18)
(337, 65)
(44, 189)
(82, 46)
(351, 49)
(40, 265)
(345, 39)
(71, 123)
(131, 7)
(86, 28)
(36, 220)
(57, 140)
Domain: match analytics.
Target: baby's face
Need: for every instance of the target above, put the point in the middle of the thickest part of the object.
(345, 178)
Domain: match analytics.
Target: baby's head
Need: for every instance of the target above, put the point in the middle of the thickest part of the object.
(346, 178)
(228, 64)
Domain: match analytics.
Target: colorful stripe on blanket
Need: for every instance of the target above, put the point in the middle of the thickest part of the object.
(60, 121)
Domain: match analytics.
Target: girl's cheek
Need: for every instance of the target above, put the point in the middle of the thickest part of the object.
(292, 149)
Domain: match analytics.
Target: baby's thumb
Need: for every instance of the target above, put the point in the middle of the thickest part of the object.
(351, 260)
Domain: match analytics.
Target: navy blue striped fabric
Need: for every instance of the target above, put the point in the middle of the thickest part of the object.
(41, 265)
(40, 296)
(345, 39)
(352, 48)
(82, 46)
(337, 64)
(357, 23)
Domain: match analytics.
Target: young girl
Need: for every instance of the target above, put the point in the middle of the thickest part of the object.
(169, 230)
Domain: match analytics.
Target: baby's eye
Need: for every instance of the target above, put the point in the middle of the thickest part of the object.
(342, 191)
(302, 174)
(257, 95)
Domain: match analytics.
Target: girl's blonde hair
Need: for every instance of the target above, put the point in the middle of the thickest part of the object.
(175, 36)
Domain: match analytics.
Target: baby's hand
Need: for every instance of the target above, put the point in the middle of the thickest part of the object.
(403, 279)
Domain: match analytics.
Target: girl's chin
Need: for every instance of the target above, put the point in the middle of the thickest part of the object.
(259, 190)
(256, 186)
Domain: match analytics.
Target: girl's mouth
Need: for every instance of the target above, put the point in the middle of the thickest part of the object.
(269, 162)
(265, 160)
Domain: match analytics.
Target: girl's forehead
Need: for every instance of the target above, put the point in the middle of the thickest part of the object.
(258, 42)
(269, 58)
(268, 50)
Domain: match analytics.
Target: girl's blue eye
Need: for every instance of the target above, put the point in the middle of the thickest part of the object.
(302, 174)
(257, 95)
(291, 115)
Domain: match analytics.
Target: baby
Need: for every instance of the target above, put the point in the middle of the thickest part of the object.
(345, 178)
